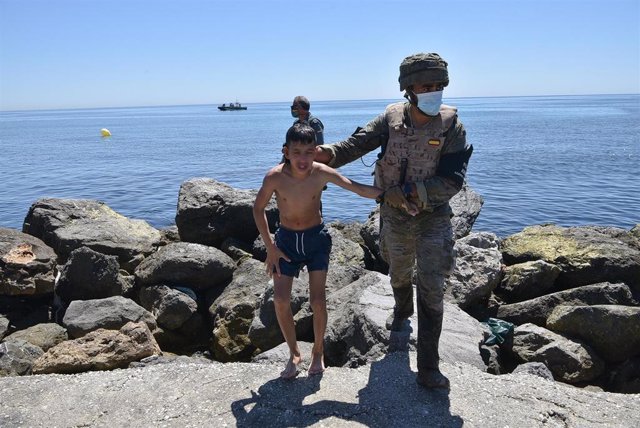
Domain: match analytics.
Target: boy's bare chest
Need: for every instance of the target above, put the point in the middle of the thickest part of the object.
(300, 190)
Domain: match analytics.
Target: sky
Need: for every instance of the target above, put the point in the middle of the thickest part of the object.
(98, 53)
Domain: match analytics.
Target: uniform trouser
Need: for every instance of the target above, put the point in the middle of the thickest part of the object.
(424, 241)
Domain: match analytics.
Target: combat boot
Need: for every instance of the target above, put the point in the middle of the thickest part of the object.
(432, 379)
(402, 310)
(396, 321)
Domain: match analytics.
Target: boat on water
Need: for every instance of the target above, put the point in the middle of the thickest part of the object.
(232, 106)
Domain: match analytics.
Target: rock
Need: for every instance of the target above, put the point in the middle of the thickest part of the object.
(537, 310)
(466, 206)
(89, 274)
(477, 271)
(17, 357)
(68, 224)
(169, 234)
(84, 316)
(210, 211)
(585, 255)
(4, 326)
(524, 281)
(101, 349)
(370, 233)
(26, 311)
(534, 368)
(612, 330)
(196, 266)
(237, 249)
(345, 252)
(44, 336)
(569, 361)
(27, 265)
(625, 377)
(170, 306)
(265, 333)
(280, 354)
(381, 394)
(193, 335)
(233, 312)
(356, 330)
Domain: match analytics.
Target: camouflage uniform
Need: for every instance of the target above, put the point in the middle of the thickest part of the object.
(425, 240)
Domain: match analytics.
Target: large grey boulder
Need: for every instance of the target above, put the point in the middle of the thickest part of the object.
(570, 361)
(344, 251)
(67, 224)
(233, 311)
(265, 333)
(27, 264)
(44, 336)
(83, 316)
(356, 331)
(89, 274)
(17, 357)
(524, 281)
(585, 255)
(4, 326)
(172, 307)
(99, 350)
(210, 211)
(538, 309)
(477, 271)
(534, 368)
(466, 206)
(612, 330)
(196, 266)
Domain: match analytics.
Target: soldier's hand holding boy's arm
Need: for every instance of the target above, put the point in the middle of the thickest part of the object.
(395, 197)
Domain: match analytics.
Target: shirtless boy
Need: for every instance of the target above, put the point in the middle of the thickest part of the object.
(301, 238)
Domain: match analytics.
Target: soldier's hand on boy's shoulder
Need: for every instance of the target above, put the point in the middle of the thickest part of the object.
(274, 254)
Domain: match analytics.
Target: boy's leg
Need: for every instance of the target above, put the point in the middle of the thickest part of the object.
(318, 302)
(282, 302)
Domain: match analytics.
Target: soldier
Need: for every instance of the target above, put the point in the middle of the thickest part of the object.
(300, 111)
(422, 162)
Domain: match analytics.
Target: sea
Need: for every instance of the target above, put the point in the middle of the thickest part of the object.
(567, 160)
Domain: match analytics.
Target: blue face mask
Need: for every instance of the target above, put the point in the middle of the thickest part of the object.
(294, 114)
(429, 102)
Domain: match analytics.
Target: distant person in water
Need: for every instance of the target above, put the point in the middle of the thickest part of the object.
(301, 238)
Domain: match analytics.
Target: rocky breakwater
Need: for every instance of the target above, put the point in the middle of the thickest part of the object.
(128, 290)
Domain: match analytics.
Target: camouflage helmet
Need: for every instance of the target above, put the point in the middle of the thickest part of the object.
(423, 68)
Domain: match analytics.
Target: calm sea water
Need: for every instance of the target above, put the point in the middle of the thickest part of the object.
(569, 160)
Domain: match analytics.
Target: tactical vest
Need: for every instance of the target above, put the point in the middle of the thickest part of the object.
(418, 148)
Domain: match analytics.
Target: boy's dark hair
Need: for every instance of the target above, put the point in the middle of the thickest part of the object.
(300, 132)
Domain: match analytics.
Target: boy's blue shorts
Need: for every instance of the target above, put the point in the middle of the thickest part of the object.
(310, 247)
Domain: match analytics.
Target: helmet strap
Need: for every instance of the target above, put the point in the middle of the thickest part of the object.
(411, 96)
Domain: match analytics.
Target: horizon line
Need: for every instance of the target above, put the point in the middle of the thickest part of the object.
(318, 101)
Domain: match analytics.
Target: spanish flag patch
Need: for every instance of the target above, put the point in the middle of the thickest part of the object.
(434, 142)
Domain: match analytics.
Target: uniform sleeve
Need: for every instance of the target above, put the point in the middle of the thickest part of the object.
(361, 142)
(318, 127)
(437, 190)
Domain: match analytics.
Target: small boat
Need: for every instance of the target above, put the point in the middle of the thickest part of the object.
(232, 106)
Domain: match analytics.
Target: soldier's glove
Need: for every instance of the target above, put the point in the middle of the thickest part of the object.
(394, 197)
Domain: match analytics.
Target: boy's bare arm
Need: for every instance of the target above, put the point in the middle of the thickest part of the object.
(363, 190)
(259, 215)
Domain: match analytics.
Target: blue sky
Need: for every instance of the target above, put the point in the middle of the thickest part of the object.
(84, 53)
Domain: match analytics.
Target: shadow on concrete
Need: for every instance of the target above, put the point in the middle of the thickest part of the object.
(391, 398)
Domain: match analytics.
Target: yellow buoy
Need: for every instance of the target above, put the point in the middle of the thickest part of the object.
(105, 132)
